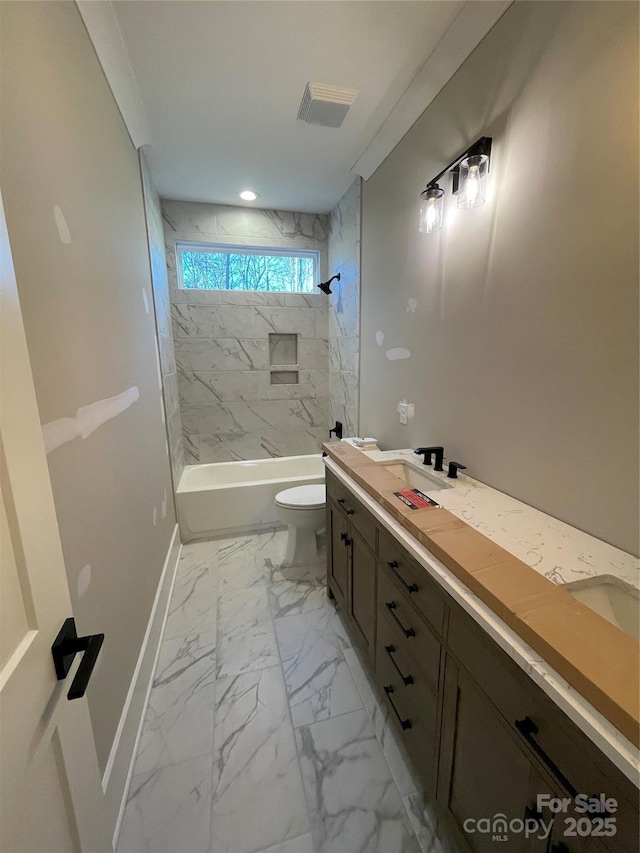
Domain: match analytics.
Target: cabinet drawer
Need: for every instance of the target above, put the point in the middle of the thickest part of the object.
(359, 517)
(568, 756)
(410, 634)
(420, 665)
(413, 711)
(412, 579)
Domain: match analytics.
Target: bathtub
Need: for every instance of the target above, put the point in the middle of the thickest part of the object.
(230, 497)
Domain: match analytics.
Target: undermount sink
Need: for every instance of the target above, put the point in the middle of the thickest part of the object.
(414, 476)
(612, 598)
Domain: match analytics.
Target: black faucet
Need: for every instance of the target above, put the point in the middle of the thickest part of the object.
(427, 451)
(454, 467)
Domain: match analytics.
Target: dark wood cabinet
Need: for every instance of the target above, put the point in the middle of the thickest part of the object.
(484, 738)
(362, 593)
(337, 554)
(486, 784)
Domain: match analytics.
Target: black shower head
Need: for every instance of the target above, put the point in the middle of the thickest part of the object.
(325, 285)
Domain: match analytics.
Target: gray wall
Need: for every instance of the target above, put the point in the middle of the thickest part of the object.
(344, 309)
(64, 146)
(162, 307)
(524, 341)
(229, 408)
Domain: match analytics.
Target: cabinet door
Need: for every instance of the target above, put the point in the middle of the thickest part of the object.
(484, 776)
(362, 593)
(338, 555)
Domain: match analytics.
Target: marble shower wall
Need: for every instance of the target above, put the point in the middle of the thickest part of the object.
(153, 213)
(344, 310)
(229, 408)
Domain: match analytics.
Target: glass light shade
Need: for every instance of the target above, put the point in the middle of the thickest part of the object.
(472, 181)
(431, 209)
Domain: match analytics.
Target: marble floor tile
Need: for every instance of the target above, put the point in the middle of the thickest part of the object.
(258, 799)
(246, 638)
(169, 810)
(194, 598)
(319, 684)
(424, 825)
(179, 719)
(302, 844)
(296, 589)
(353, 801)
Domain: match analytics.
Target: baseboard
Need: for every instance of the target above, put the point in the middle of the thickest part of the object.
(117, 775)
(228, 532)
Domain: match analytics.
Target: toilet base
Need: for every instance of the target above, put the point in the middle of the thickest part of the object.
(302, 546)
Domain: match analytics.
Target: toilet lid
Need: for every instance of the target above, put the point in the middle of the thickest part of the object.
(303, 497)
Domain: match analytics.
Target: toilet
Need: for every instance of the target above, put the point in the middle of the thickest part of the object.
(302, 510)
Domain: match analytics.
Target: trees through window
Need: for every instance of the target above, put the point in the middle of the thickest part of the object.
(211, 267)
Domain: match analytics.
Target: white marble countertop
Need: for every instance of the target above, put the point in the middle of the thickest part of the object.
(555, 549)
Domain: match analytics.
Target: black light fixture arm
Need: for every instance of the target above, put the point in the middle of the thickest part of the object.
(481, 146)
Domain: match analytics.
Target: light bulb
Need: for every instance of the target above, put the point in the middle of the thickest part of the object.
(471, 190)
(432, 214)
(248, 195)
(431, 208)
(472, 180)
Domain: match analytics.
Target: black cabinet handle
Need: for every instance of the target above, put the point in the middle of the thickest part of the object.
(343, 503)
(407, 679)
(392, 607)
(528, 729)
(410, 587)
(64, 649)
(406, 724)
(344, 538)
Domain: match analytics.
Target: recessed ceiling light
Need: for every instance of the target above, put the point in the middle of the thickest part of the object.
(248, 195)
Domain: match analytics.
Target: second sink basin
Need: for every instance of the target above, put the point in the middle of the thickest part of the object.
(415, 476)
(612, 598)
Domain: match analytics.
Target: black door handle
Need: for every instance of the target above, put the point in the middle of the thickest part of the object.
(406, 679)
(406, 724)
(343, 503)
(410, 587)
(528, 729)
(64, 649)
(391, 607)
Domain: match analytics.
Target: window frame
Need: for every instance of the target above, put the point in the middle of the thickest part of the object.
(231, 249)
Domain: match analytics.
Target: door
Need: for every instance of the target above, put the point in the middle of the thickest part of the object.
(485, 779)
(339, 556)
(362, 598)
(50, 791)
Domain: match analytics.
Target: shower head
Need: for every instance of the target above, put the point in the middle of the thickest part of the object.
(325, 285)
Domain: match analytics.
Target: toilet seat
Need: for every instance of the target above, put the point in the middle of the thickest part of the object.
(303, 497)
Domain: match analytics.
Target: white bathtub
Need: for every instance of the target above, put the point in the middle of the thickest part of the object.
(223, 497)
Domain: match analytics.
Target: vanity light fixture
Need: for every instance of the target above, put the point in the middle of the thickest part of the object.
(248, 195)
(470, 170)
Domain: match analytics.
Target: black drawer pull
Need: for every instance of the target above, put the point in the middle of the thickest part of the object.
(406, 724)
(391, 607)
(344, 537)
(410, 587)
(407, 679)
(342, 503)
(528, 729)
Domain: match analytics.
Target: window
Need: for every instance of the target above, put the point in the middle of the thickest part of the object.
(205, 266)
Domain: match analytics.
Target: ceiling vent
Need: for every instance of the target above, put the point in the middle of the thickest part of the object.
(326, 105)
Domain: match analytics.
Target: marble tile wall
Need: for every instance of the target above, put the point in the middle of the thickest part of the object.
(344, 310)
(230, 410)
(162, 307)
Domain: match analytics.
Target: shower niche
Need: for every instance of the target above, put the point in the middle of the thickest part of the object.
(283, 359)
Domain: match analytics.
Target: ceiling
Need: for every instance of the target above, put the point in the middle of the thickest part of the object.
(221, 83)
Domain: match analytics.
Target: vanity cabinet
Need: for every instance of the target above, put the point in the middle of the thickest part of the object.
(351, 569)
(482, 736)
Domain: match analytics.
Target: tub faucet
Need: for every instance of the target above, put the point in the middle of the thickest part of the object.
(427, 451)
